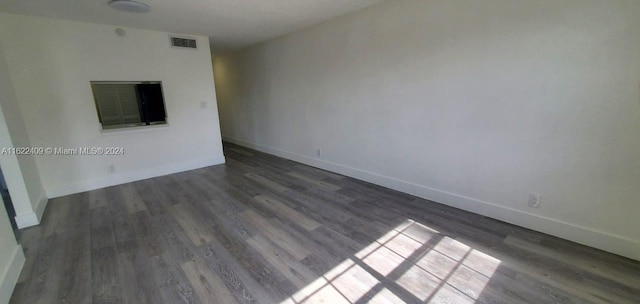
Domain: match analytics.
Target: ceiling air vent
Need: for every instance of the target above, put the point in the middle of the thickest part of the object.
(183, 42)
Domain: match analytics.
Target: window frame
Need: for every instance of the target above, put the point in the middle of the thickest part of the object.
(128, 126)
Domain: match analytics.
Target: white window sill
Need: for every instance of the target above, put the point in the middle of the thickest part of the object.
(135, 129)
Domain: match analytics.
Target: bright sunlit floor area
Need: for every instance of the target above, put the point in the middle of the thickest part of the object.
(416, 263)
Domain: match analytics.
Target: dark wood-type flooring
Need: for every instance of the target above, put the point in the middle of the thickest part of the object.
(262, 229)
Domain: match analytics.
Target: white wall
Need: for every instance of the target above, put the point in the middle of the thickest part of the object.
(11, 257)
(473, 104)
(20, 171)
(51, 63)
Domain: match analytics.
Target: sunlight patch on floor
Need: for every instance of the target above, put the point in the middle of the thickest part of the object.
(418, 261)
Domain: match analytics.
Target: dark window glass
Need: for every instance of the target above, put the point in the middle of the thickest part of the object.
(129, 104)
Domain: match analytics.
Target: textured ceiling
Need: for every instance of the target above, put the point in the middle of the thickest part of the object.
(230, 24)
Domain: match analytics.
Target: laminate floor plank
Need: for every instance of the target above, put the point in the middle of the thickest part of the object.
(231, 219)
(174, 239)
(244, 287)
(106, 285)
(154, 200)
(133, 200)
(255, 265)
(287, 264)
(266, 182)
(528, 265)
(262, 229)
(146, 233)
(195, 192)
(285, 180)
(171, 283)
(289, 213)
(131, 291)
(56, 219)
(183, 192)
(605, 271)
(315, 182)
(332, 218)
(97, 198)
(373, 191)
(317, 173)
(121, 221)
(76, 280)
(277, 235)
(208, 285)
(242, 183)
(192, 225)
(48, 270)
(125, 234)
(265, 162)
(241, 151)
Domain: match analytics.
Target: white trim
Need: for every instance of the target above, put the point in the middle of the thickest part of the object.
(598, 239)
(26, 220)
(127, 177)
(134, 129)
(10, 274)
(32, 218)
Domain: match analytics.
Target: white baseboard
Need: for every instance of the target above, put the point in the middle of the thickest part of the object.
(131, 176)
(10, 274)
(605, 241)
(32, 218)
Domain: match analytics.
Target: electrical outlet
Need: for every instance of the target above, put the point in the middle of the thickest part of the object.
(112, 169)
(318, 153)
(534, 200)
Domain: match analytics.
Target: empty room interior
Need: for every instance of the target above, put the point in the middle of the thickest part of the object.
(320, 151)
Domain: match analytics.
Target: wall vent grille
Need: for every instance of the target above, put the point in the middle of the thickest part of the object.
(183, 42)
